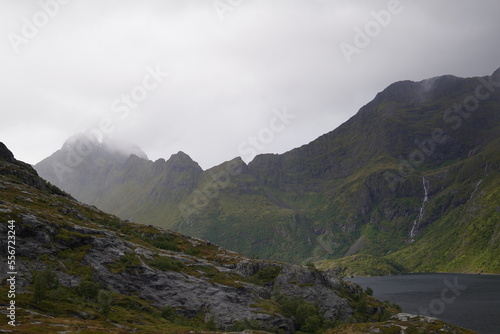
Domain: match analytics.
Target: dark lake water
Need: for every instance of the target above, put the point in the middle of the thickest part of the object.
(470, 301)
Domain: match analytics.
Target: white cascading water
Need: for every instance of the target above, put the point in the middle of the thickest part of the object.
(475, 189)
(418, 220)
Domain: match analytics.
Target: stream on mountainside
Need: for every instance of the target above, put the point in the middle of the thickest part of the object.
(470, 301)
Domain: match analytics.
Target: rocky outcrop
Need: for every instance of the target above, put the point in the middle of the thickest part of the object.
(19, 171)
(5, 154)
(189, 294)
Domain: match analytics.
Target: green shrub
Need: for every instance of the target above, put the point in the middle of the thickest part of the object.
(166, 242)
(312, 324)
(269, 273)
(88, 290)
(128, 261)
(166, 263)
(244, 324)
(104, 299)
(362, 305)
(211, 325)
(43, 281)
(306, 316)
(168, 313)
(60, 294)
(265, 275)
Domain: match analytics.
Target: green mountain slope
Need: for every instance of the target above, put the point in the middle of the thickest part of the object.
(74, 268)
(412, 177)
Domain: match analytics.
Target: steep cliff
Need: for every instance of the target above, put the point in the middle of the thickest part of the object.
(414, 167)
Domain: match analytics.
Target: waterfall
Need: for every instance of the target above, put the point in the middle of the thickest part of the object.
(475, 189)
(420, 216)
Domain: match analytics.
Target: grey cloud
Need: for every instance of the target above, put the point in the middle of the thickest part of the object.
(226, 77)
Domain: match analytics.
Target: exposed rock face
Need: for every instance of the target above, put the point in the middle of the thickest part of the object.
(23, 172)
(189, 294)
(6, 154)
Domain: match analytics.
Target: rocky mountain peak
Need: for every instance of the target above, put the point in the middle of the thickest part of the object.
(496, 74)
(86, 144)
(6, 154)
(181, 161)
(134, 160)
(80, 138)
(234, 166)
(23, 172)
(415, 92)
(123, 148)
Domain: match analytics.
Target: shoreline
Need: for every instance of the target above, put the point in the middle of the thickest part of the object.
(425, 273)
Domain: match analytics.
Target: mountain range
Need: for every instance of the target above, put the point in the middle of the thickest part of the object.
(409, 183)
(72, 268)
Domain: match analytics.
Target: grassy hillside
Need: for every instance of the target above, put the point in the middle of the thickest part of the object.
(411, 179)
(82, 270)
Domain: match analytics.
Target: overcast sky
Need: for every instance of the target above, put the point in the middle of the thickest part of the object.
(232, 66)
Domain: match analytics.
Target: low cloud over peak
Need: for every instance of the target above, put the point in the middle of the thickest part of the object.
(189, 76)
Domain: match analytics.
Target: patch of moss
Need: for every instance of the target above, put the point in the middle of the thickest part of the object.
(126, 262)
(166, 263)
(214, 275)
(265, 275)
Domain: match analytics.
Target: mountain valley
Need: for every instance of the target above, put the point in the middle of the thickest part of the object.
(410, 181)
